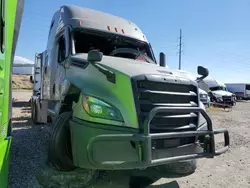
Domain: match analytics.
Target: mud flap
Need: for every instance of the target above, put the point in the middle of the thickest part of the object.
(4, 161)
(40, 111)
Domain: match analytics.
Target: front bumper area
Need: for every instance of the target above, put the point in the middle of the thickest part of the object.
(103, 147)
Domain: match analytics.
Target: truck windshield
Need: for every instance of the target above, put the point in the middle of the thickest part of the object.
(218, 88)
(112, 45)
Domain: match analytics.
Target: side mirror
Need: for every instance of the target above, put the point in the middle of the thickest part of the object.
(31, 79)
(203, 72)
(95, 56)
(162, 60)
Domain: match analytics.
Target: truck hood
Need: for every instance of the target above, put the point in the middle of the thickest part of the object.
(221, 93)
(201, 91)
(132, 67)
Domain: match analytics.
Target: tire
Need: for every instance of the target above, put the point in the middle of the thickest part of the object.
(34, 113)
(31, 108)
(60, 153)
(183, 168)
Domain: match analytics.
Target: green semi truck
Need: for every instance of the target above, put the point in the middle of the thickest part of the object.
(109, 104)
(10, 18)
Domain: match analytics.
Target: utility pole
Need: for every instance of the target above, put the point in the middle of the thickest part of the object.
(180, 44)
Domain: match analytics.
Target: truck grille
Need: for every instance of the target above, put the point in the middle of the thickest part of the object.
(227, 99)
(156, 93)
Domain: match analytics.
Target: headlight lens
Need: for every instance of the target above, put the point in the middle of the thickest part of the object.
(97, 108)
(203, 96)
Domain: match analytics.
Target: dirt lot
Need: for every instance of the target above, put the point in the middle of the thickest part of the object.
(229, 170)
(21, 82)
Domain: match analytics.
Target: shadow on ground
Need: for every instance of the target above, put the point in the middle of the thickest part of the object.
(172, 184)
(20, 104)
(28, 148)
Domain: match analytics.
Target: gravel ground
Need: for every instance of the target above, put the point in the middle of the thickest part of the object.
(228, 170)
(28, 148)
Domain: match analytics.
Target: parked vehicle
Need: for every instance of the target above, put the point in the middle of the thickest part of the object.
(218, 92)
(225, 89)
(241, 90)
(204, 98)
(111, 106)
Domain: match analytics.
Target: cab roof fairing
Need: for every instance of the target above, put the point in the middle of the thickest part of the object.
(78, 17)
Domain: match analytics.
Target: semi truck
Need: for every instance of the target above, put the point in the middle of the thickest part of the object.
(217, 91)
(241, 90)
(110, 105)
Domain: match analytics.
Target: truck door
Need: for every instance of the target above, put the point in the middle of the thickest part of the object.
(62, 53)
(10, 19)
(4, 95)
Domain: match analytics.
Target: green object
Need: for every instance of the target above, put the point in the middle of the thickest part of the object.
(10, 12)
(97, 108)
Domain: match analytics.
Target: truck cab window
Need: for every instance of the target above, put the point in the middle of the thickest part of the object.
(61, 49)
(217, 88)
(247, 87)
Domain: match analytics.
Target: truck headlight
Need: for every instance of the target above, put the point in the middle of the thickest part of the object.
(203, 96)
(100, 109)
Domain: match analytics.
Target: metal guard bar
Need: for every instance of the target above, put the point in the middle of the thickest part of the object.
(146, 139)
(210, 132)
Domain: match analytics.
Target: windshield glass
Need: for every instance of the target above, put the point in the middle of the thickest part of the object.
(112, 45)
(217, 88)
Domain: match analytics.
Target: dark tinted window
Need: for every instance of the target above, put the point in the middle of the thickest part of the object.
(61, 49)
(247, 87)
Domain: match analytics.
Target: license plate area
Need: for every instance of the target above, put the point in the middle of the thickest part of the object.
(171, 143)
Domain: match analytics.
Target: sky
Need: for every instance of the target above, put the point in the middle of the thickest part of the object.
(216, 34)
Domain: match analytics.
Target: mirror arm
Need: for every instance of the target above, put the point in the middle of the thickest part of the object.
(200, 78)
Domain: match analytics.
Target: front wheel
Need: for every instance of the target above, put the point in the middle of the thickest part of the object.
(34, 112)
(60, 153)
